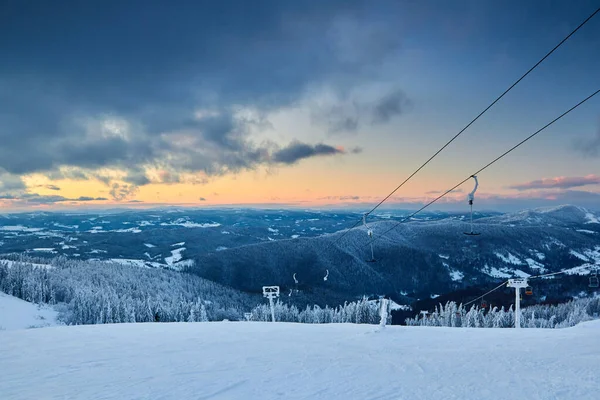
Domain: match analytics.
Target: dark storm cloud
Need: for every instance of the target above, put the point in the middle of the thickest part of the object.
(589, 147)
(297, 151)
(137, 178)
(350, 114)
(389, 106)
(87, 198)
(67, 64)
(34, 198)
(9, 182)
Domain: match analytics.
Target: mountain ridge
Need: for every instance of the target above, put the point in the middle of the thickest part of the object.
(415, 257)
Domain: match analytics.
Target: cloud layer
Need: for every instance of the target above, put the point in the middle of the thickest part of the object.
(559, 183)
(297, 151)
(189, 97)
(589, 147)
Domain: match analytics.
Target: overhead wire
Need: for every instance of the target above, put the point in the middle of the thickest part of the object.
(471, 123)
(564, 271)
(485, 294)
(488, 164)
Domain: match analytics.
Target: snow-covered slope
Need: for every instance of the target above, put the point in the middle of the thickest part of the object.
(246, 360)
(419, 258)
(18, 314)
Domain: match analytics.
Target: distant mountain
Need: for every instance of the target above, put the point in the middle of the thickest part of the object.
(149, 237)
(248, 248)
(418, 258)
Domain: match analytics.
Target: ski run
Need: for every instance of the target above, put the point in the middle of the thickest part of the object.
(260, 360)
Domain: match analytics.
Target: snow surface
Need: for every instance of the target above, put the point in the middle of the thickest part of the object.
(585, 231)
(130, 262)
(130, 230)
(535, 265)
(579, 255)
(504, 272)
(149, 245)
(540, 255)
(591, 219)
(19, 228)
(10, 263)
(510, 259)
(45, 250)
(456, 275)
(175, 256)
(189, 224)
(19, 314)
(254, 360)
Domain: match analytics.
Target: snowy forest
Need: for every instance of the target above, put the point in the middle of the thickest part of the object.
(93, 292)
(537, 316)
(98, 292)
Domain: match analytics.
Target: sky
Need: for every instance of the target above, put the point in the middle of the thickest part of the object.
(288, 103)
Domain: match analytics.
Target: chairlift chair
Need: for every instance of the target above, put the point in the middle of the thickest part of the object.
(370, 234)
(594, 280)
(484, 304)
(528, 290)
(471, 198)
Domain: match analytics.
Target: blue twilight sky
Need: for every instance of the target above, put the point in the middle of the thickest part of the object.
(294, 102)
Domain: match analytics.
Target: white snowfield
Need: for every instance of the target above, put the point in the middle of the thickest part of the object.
(253, 360)
(19, 314)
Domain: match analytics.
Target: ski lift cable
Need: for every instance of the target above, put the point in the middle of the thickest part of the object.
(485, 294)
(564, 271)
(528, 278)
(489, 164)
(473, 121)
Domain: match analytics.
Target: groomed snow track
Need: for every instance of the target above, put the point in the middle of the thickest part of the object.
(248, 360)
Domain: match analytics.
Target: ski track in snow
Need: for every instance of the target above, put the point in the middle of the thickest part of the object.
(254, 360)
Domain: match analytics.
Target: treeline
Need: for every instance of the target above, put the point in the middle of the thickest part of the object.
(91, 292)
(538, 316)
(360, 312)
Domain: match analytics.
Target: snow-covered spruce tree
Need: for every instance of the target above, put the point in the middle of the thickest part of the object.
(98, 292)
(537, 316)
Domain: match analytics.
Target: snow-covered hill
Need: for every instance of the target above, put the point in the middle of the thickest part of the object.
(246, 360)
(419, 258)
(19, 314)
